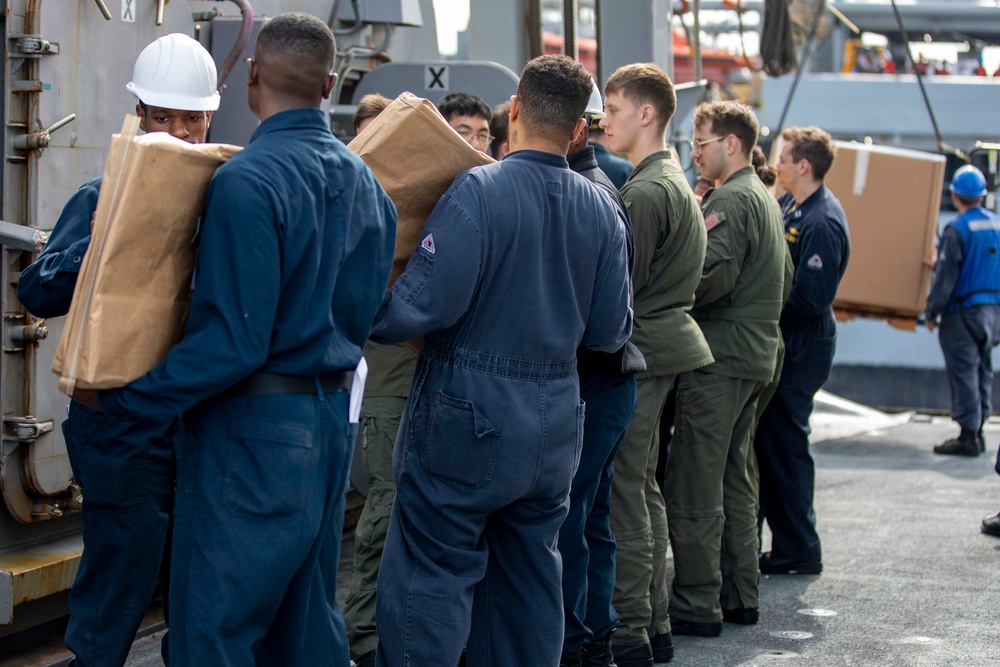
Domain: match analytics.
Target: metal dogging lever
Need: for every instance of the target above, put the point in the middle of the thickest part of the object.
(34, 141)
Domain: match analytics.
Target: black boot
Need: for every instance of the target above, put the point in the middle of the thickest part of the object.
(569, 660)
(662, 644)
(967, 443)
(597, 653)
(633, 655)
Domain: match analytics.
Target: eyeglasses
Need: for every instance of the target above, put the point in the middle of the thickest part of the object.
(471, 137)
(701, 144)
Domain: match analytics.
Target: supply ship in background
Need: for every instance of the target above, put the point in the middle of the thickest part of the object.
(64, 72)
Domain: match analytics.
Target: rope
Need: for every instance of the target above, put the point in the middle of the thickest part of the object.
(943, 147)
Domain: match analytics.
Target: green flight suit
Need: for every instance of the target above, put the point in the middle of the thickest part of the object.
(390, 373)
(737, 305)
(669, 254)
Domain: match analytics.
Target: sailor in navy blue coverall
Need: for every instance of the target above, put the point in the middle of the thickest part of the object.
(293, 257)
(817, 236)
(608, 388)
(126, 467)
(520, 262)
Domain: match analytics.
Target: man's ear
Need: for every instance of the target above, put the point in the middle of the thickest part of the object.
(515, 108)
(579, 130)
(733, 144)
(208, 118)
(328, 86)
(648, 114)
(252, 72)
(142, 117)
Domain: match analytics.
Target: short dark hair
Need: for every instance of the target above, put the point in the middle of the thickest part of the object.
(813, 145)
(645, 83)
(299, 36)
(553, 93)
(463, 104)
(729, 117)
(370, 106)
(299, 51)
(968, 201)
(499, 124)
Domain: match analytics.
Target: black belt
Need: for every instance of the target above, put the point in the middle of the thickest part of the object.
(265, 384)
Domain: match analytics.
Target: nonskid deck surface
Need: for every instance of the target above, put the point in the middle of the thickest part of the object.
(908, 579)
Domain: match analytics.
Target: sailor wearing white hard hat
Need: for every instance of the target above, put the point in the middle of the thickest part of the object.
(126, 468)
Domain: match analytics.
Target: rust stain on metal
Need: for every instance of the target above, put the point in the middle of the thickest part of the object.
(38, 571)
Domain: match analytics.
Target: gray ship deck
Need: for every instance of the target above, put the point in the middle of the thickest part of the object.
(909, 580)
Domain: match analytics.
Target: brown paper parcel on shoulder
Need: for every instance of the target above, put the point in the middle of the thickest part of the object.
(131, 299)
(415, 156)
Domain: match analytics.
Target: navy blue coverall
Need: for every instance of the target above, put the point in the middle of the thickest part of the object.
(126, 469)
(965, 293)
(520, 262)
(607, 387)
(293, 256)
(818, 239)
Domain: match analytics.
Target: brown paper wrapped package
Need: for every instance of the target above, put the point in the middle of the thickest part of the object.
(415, 156)
(131, 299)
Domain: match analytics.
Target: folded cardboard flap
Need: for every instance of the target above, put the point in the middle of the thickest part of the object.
(132, 294)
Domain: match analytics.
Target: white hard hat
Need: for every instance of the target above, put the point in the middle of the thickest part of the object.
(175, 72)
(595, 106)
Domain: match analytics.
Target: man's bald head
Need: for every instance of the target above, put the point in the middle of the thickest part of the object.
(296, 53)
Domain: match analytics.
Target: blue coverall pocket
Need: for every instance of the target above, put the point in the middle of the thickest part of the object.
(461, 445)
(264, 468)
(107, 462)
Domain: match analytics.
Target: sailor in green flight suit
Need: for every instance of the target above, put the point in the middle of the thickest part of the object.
(710, 503)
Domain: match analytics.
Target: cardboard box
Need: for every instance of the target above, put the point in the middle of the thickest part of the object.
(415, 156)
(892, 198)
(131, 299)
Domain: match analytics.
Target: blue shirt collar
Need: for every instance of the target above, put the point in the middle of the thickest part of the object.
(307, 119)
(542, 157)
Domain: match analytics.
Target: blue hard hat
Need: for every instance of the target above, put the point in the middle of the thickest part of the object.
(968, 182)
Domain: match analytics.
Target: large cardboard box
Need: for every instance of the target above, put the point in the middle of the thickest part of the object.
(892, 198)
(131, 299)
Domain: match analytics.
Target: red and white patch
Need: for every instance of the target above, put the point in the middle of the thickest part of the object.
(711, 221)
(428, 244)
(815, 262)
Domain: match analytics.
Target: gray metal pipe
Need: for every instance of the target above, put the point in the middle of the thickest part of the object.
(246, 29)
(21, 237)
